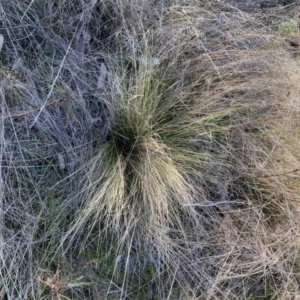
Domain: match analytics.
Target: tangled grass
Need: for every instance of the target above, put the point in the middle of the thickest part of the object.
(148, 151)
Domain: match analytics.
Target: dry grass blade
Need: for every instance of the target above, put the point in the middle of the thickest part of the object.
(149, 150)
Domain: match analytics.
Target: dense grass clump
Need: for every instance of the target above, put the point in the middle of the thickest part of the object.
(149, 150)
(147, 165)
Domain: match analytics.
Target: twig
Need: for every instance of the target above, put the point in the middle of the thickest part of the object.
(57, 75)
(31, 111)
(214, 204)
(281, 174)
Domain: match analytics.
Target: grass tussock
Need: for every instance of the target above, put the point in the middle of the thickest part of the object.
(149, 150)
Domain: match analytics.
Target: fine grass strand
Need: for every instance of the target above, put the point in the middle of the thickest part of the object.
(149, 150)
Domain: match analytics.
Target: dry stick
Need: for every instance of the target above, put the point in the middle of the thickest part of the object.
(30, 111)
(27, 9)
(281, 174)
(57, 75)
(2, 140)
(214, 203)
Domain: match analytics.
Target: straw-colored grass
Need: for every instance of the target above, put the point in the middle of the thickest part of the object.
(149, 150)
